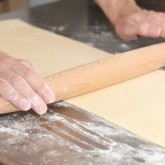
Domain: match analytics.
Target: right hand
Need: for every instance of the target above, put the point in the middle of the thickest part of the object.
(22, 86)
(141, 23)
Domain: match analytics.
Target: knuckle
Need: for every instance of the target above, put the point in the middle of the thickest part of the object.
(2, 83)
(28, 72)
(41, 88)
(12, 96)
(15, 79)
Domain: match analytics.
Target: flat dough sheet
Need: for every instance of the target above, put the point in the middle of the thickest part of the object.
(137, 105)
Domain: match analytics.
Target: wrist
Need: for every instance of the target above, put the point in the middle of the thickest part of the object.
(125, 11)
(116, 9)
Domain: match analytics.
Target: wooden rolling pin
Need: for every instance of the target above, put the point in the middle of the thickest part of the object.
(102, 73)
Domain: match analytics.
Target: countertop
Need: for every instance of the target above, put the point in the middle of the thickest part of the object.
(68, 134)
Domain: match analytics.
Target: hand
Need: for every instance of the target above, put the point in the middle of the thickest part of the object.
(141, 23)
(22, 86)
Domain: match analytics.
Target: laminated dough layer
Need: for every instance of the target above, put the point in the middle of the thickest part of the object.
(137, 105)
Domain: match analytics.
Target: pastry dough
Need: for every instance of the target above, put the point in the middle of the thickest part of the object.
(49, 53)
(137, 105)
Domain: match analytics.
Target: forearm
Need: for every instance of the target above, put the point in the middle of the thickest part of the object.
(114, 9)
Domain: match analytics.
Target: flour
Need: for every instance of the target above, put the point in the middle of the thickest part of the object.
(56, 137)
(101, 37)
(56, 29)
(63, 104)
(61, 28)
(124, 47)
(94, 36)
(90, 44)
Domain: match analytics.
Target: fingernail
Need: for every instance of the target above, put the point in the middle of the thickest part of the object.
(12, 97)
(25, 104)
(159, 30)
(41, 109)
(155, 31)
(38, 105)
(49, 96)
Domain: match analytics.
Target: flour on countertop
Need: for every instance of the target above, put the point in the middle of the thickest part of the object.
(87, 141)
(94, 36)
(98, 35)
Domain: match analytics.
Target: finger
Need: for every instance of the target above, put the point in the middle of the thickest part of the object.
(130, 33)
(37, 104)
(149, 30)
(127, 30)
(155, 31)
(7, 92)
(35, 82)
(163, 31)
(23, 88)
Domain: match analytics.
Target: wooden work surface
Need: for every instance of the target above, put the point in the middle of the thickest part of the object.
(69, 135)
